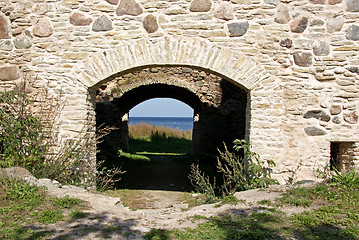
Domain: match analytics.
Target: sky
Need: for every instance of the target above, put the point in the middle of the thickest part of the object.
(161, 107)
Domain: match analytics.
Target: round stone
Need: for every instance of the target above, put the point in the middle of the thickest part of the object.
(353, 33)
(299, 24)
(224, 11)
(282, 15)
(321, 49)
(314, 131)
(9, 73)
(22, 42)
(150, 23)
(43, 28)
(335, 109)
(200, 6)
(318, 1)
(129, 7)
(79, 19)
(302, 59)
(336, 120)
(4, 27)
(238, 29)
(350, 117)
(102, 24)
(335, 24)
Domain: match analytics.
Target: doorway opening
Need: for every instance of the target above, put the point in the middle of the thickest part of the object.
(342, 155)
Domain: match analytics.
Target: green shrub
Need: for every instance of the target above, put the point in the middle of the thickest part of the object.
(348, 179)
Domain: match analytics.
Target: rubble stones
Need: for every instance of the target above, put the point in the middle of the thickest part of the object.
(318, 114)
(4, 27)
(43, 28)
(9, 73)
(321, 48)
(286, 43)
(129, 7)
(150, 23)
(335, 109)
(224, 11)
(299, 24)
(200, 6)
(238, 29)
(22, 42)
(335, 24)
(353, 33)
(79, 19)
(336, 120)
(302, 59)
(282, 16)
(102, 24)
(350, 117)
(314, 131)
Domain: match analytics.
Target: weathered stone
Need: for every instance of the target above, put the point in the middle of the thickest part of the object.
(200, 6)
(318, 114)
(314, 131)
(353, 33)
(282, 15)
(43, 28)
(350, 117)
(270, 1)
(238, 29)
(303, 59)
(224, 11)
(286, 43)
(335, 109)
(353, 69)
(113, 2)
(6, 45)
(316, 22)
(129, 7)
(79, 19)
(102, 24)
(336, 120)
(299, 24)
(335, 24)
(42, 8)
(4, 27)
(9, 73)
(353, 5)
(150, 23)
(321, 48)
(318, 1)
(22, 42)
(333, 2)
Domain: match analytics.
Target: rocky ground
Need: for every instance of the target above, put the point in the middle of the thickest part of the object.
(107, 218)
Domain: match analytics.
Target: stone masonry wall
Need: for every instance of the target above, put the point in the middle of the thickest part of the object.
(297, 58)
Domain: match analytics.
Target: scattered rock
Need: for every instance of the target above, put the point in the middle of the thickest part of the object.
(102, 24)
(353, 5)
(318, 114)
(17, 173)
(353, 33)
(335, 24)
(321, 49)
(303, 59)
(4, 27)
(129, 7)
(314, 131)
(286, 43)
(79, 19)
(350, 117)
(238, 29)
(6, 45)
(150, 23)
(113, 2)
(22, 42)
(224, 11)
(9, 73)
(43, 28)
(282, 16)
(299, 24)
(335, 109)
(333, 2)
(200, 6)
(336, 120)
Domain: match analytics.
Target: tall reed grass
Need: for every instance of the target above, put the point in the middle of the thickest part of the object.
(147, 132)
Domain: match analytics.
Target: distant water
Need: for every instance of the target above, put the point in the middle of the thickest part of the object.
(180, 123)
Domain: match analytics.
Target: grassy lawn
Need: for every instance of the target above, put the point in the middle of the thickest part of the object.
(23, 205)
(335, 216)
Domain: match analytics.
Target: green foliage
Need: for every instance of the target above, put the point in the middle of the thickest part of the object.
(48, 216)
(135, 157)
(349, 179)
(67, 202)
(77, 214)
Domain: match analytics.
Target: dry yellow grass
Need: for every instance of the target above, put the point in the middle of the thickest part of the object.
(144, 130)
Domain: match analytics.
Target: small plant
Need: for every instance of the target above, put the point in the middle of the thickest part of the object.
(202, 184)
(67, 202)
(349, 179)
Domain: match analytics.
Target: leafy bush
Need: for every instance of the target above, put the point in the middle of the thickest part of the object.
(348, 179)
(239, 173)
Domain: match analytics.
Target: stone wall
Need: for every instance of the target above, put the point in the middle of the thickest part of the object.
(297, 59)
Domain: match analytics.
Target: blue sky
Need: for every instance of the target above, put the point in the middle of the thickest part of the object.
(161, 107)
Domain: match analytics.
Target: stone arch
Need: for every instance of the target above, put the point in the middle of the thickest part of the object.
(170, 51)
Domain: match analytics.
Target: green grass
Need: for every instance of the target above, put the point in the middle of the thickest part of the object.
(335, 217)
(22, 204)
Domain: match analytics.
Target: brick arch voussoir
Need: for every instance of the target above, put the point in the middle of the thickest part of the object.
(171, 51)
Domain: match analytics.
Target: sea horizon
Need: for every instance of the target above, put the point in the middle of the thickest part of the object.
(180, 123)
